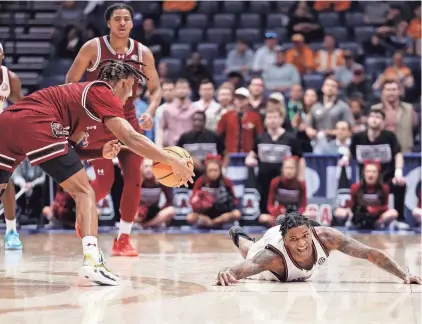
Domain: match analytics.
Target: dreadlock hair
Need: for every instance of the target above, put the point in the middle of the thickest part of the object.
(292, 220)
(109, 11)
(114, 70)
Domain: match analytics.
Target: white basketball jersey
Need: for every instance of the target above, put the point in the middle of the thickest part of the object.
(4, 87)
(273, 241)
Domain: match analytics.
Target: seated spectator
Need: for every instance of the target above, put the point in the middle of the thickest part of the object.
(300, 55)
(400, 117)
(236, 79)
(240, 58)
(265, 56)
(344, 74)
(325, 115)
(398, 71)
(414, 29)
(177, 115)
(62, 214)
(281, 76)
(29, 179)
(70, 44)
(295, 103)
(256, 95)
(374, 47)
(150, 213)
(225, 103)
(206, 97)
(201, 142)
(147, 36)
(286, 193)
(392, 18)
(356, 107)
(270, 150)
(368, 204)
(195, 71)
(239, 126)
(400, 41)
(330, 57)
(213, 200)
(302, 21)
(300, 120)
(339, 6)
(163, 71)
(168, 96)
(417, 211)
(375, 12)
(340, 145)
(359, 86)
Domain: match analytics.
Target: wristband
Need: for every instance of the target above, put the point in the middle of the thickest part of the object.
(398, 173)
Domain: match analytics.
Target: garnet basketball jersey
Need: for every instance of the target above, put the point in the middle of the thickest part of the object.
(273, 241)
(106, 52)
(4, 87)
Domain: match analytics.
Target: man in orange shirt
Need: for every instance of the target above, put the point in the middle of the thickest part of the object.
(329, 57)
(414, 29)
(300, 55)
(240, 126)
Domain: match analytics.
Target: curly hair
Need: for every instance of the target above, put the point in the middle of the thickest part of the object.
(292, 220)
(114, 70)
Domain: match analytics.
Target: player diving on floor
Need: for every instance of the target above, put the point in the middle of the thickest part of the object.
(293, 249)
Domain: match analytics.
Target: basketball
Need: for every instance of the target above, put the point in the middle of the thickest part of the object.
(164, 173)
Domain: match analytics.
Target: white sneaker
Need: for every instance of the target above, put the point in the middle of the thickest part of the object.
(98, 272)
(400, 226)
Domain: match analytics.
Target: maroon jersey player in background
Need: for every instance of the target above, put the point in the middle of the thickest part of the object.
(118, 46)
(10, 90)
(40, 126)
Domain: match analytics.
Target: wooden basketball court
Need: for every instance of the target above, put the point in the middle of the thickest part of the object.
(172, 282)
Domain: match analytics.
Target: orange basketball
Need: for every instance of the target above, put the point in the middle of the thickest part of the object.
(164, 173)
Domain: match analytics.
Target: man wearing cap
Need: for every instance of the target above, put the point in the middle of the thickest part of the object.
(265, 56)
(300, 55)
(281, 76)
(239, 127)
(10, 90)
(344, 74)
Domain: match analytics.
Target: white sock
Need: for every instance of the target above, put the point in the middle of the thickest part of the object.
(125, 228)
(10, 225)
(90, 246)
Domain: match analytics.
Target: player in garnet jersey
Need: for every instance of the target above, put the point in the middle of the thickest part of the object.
(119, 46)
(10, 90)
(40, 126)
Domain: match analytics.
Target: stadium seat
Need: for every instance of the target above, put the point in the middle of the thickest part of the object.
(52, 80)
(229, 47)
(219, 35)
(30, 78)
(190, 35)
(257, 46)
(315, 46)
(64, 17)
(4, 32)
(166, 33)
(363, 33)
(174, 66)
(250, 21)
(40, 48)
(219, 80)
(5, 18)
(260, 7)
(375, 65)
(313, 81)
(208, 51)
(354, 19)
(276, 21)
(146, 7)
(197, 21)
(236, 7)
(352, 47)
(283, 34)
(250, 35)
(208, 7)
(170, 20)
(180, 51)
(223, 21)
(328, 19)
(413, 63)
(285, 6)
(219, 66)
(340, 33)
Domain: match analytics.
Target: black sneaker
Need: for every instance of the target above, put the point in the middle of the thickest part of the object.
(235, 232)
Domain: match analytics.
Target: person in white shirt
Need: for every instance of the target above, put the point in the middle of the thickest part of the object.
(225, 96)
(168, 96)
(266, 55)
(339, 145)
(206, 97)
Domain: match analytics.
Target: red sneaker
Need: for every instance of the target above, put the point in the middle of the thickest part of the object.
(123, 247)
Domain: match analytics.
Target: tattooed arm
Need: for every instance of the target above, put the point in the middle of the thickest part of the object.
(262, 261)
(335, 240)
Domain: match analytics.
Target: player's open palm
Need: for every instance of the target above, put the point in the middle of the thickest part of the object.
(111, 149)
(225, 278)
(413, 280)
(182, 171)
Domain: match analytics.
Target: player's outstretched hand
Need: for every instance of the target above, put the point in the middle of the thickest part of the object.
(413, 280)
(111, 149)
(181, 169)
(225, 278)
(145, 121)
